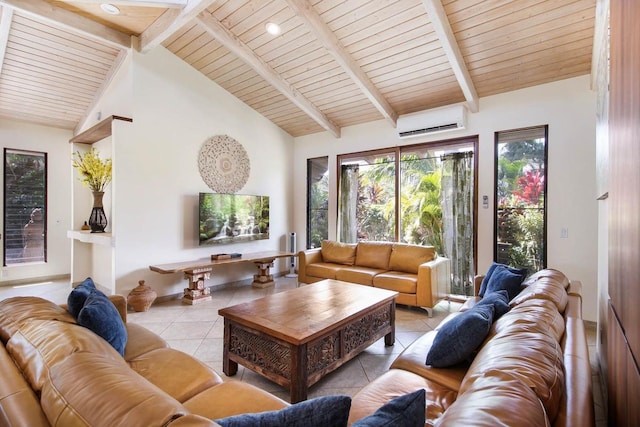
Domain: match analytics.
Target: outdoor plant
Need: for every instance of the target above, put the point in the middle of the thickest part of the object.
(95, 173)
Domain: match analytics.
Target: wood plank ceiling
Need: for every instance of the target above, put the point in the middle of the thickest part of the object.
(336, 63)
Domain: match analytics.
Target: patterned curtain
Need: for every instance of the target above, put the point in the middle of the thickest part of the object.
(348, 201)
(457, 217)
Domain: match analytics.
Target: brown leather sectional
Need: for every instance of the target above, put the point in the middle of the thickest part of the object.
(417, 273)
(533, 368)
(55, 372)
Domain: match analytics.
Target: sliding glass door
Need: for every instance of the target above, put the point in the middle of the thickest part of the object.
(423, 194)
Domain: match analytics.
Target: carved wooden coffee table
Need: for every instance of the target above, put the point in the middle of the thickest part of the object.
(296, 337)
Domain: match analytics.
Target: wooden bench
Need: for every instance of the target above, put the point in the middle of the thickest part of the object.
(196, 272)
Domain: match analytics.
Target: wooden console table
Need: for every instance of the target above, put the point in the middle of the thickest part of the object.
(196, 272)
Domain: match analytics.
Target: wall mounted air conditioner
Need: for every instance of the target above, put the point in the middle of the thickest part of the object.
(432, 121)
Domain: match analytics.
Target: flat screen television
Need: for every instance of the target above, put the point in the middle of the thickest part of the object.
(230, 218)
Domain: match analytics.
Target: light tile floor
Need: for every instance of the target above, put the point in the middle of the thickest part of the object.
(198, 330)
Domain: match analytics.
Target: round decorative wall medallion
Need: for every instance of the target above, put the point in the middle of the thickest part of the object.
(224, 164)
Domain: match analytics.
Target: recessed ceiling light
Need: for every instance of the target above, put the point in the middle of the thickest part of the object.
(272, 28)
(110, 9)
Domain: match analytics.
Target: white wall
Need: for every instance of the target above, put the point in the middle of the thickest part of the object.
(567, 106)
(54, 142)
(156, 178)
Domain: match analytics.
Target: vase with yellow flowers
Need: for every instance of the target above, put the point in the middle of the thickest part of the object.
(95, 173)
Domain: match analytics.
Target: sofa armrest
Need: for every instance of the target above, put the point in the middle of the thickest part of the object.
(305, 258)
(434, 281)
(121, 304)
(477, 282)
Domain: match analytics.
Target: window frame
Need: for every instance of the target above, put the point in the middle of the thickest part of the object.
(545, 186)
(45, 206)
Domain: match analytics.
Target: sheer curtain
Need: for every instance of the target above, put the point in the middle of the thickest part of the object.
(457, 217)
(347, 223)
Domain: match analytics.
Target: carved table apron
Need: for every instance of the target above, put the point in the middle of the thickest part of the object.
(296, 337)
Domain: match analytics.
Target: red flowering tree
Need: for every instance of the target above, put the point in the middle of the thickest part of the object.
(531, 187)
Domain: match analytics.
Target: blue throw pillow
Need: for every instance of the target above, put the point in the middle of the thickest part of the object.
(404, 411)
(318, 412)
(78, 296)
(102, 317)
(487, 277)
(504, 278)
(456, 341)
(499, 300)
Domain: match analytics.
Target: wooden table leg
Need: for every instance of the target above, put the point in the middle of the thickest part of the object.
(229, 367)
(299, 373)
(196, 292)
(263, 279)
(390, 338)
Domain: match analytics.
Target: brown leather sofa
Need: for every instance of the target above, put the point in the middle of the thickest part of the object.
(417, 273)
(58, 373)
(532, 369)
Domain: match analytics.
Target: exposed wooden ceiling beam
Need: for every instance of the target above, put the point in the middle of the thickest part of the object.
(241, 50)
(170, 22)
(321, 31)
(5, 26)
(60, 17)
(443, 30)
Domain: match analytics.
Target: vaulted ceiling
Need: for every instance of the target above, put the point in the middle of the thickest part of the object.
(335, 63)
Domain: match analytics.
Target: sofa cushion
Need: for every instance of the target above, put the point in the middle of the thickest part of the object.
(338, 253)
(164, 367)
(374, 254)
(405, 283)
(457, 339)
(357, 274)
(78, 296)
(323, 269)
(41, 344)
(395, 383)
(499, 300)
(535, 315)
(102, 317)
(497, 399)
(88, 389)
(225, 395)
(141, 340)
(319, 412)
(485, 280)
(19, 405)
(543, 288)
(534, 358)
(408, 258)
(503, 277)
(412, 360)
(17, 310)
(405, 411)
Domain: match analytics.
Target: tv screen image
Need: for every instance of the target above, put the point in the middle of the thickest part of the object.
(230, 218)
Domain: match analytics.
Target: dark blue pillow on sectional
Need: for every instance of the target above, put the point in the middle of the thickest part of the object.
(406, 411)
(318, 412)
(503, 278)
(499, 300)
(77, 297)
(102, 317)
(487, 277)
(458, 338)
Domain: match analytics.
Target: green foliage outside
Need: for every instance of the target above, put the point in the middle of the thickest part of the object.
(318, 215)
(521, 204)
(420, 205)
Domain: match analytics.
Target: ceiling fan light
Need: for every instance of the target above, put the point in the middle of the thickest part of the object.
(110, 9)
(272, 28)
